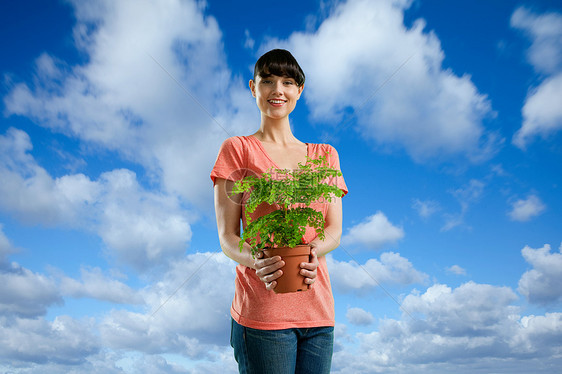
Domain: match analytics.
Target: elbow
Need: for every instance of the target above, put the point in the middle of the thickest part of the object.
(337, 242)
(228, 244)
(224, 244)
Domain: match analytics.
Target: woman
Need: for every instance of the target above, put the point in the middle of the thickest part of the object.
(276, 333)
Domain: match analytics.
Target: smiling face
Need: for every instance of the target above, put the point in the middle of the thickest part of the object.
(276, 96)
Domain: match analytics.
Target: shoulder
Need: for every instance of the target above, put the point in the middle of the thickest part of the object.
(236, 143)
(323, 149)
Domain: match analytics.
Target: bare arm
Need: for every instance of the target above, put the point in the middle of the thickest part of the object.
(332, 229)
(228, 210)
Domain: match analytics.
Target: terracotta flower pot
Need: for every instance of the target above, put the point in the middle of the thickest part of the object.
(291, 280)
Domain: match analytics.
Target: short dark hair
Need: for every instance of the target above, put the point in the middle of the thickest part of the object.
(279, 62)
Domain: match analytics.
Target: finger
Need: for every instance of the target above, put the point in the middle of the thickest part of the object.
(313, 255)
(265, 270)
(268, 262)
(271, 276)
(312, 265)
(309, 280)
(270, 286)
(308, 274)
(309, 266)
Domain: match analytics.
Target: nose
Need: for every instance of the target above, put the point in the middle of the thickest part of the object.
(278, 87)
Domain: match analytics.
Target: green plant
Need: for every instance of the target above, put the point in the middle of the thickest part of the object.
(293, 191)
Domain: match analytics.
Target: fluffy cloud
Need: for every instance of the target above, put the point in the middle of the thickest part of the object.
(541, 284)
(136, 219)
(525, 209)
(155, 80)
(358, 316)
(458, 330)
(63, 341)
(391, 78)
(392, 269)
(25, 293)
(94, 284)
(544, 30)
(142, 228)
(189, 311)
(456, 269)
(542, 114)
(186, 314)
(375, 232)
(29, 192)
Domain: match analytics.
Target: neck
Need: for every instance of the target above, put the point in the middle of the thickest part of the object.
(276, 131)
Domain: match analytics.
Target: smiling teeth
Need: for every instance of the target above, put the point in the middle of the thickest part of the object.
(277, 101)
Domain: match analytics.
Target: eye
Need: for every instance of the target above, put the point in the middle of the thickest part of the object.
(289, 83)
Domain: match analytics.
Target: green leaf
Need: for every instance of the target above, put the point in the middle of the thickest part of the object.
(293, 191)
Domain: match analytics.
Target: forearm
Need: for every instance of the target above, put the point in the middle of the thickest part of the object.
(229, 245)
(331, 240)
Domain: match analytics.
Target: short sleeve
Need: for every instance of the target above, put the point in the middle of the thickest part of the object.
(334, 161)
(231, 160)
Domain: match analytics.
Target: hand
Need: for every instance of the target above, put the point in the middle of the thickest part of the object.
(268, 269)
(309, 269)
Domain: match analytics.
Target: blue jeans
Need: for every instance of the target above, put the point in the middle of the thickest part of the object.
(289, 351)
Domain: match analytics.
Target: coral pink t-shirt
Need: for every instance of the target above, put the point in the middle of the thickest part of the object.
(254, 306)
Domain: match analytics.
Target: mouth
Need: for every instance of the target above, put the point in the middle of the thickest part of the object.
(276, 102)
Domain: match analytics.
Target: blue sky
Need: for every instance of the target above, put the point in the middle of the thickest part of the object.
(447, 120)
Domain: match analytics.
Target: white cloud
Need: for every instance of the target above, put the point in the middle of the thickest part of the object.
(141, 227)
(420, 98)
(456, 269)
(65, 341)
(391, 269)
(188, 316)
(375, 232)
(545, 31)
(29, 192)
(541, 284)
(524, 209)
(360, 317)
(189, 312)
(465, 311)
(124, 100)
(25, 293)
(425, 208)
(94, 284)
(471, 329)
(6, 246)
(542, 114)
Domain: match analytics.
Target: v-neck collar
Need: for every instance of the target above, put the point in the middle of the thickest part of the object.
(262, 148)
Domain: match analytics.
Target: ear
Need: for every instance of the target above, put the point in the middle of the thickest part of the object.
(300, 91)
(252, 85)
